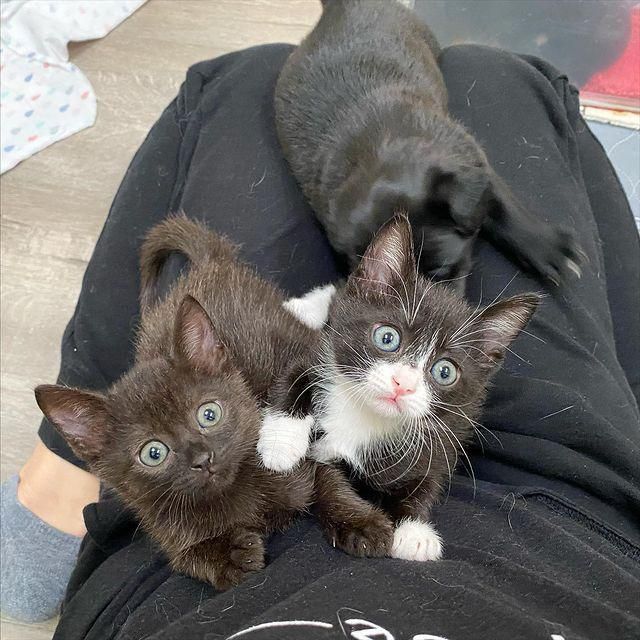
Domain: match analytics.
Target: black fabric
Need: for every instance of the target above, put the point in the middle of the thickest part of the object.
(543, 542)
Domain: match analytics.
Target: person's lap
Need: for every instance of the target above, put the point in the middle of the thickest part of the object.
(214, 154)
(513, 567)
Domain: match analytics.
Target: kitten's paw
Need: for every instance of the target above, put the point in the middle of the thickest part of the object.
(283, 441)
(416, 540)
(366, 535)
(312, 309)
(244, 556)
(556, 255)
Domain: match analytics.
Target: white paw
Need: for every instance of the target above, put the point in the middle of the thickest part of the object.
(312, 309)
(284, 440)
(416, 540)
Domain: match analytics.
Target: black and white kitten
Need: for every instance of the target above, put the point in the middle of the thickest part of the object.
(397, 384)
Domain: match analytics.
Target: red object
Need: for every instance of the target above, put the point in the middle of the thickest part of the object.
(622, 78)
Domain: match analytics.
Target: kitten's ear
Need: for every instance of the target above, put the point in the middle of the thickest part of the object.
(195, 340)
(499, 324)
(80, 416)
(388, 262)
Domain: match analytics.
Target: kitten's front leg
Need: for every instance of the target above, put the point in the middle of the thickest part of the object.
(349, 522)
(224, 561)
(415, 538)
(287, 422)
(284, 440)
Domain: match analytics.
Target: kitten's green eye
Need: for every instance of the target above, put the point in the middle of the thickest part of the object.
(209, 414)
(386, 338)
(153, 453)
(444, 372)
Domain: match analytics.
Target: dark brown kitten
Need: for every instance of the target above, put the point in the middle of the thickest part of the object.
(400, 380)
(176, 436)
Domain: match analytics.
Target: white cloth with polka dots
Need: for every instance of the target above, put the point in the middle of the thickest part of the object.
(43, 96)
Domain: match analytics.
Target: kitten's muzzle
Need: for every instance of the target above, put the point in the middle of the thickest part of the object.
(204, 462)
(404, 381)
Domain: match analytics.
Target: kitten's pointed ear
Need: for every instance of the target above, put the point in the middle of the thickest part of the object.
(499, 324)
(80, 416)
(388, 262)
(196, 342)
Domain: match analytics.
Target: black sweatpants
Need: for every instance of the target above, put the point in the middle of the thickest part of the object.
(544, 543)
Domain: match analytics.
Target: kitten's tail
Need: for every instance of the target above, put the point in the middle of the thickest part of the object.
(184, 235)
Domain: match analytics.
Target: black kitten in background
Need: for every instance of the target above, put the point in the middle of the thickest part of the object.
(361, 112)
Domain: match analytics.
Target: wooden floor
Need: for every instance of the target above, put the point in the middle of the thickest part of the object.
(53, 205)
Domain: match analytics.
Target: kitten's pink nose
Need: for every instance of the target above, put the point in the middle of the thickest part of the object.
(405, 381)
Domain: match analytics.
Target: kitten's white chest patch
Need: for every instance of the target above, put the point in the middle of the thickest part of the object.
(350, 427)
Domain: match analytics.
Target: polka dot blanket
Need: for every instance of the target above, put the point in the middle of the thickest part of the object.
(44, 97)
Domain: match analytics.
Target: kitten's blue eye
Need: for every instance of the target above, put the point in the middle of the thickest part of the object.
(209, 414)
(386, 338)
(153, 453)
(444, 372)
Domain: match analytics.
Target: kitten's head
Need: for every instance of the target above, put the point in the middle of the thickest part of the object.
(406, 347)
(184, 423)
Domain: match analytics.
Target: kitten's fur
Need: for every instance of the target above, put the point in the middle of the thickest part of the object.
(361, 113)
(211, 502)
(383, 413)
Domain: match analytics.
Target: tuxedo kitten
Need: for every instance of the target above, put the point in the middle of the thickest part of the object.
(361, 114)
(400, 379)
(176, 436)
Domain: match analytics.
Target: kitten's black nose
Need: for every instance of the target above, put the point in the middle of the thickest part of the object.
(203, 462)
